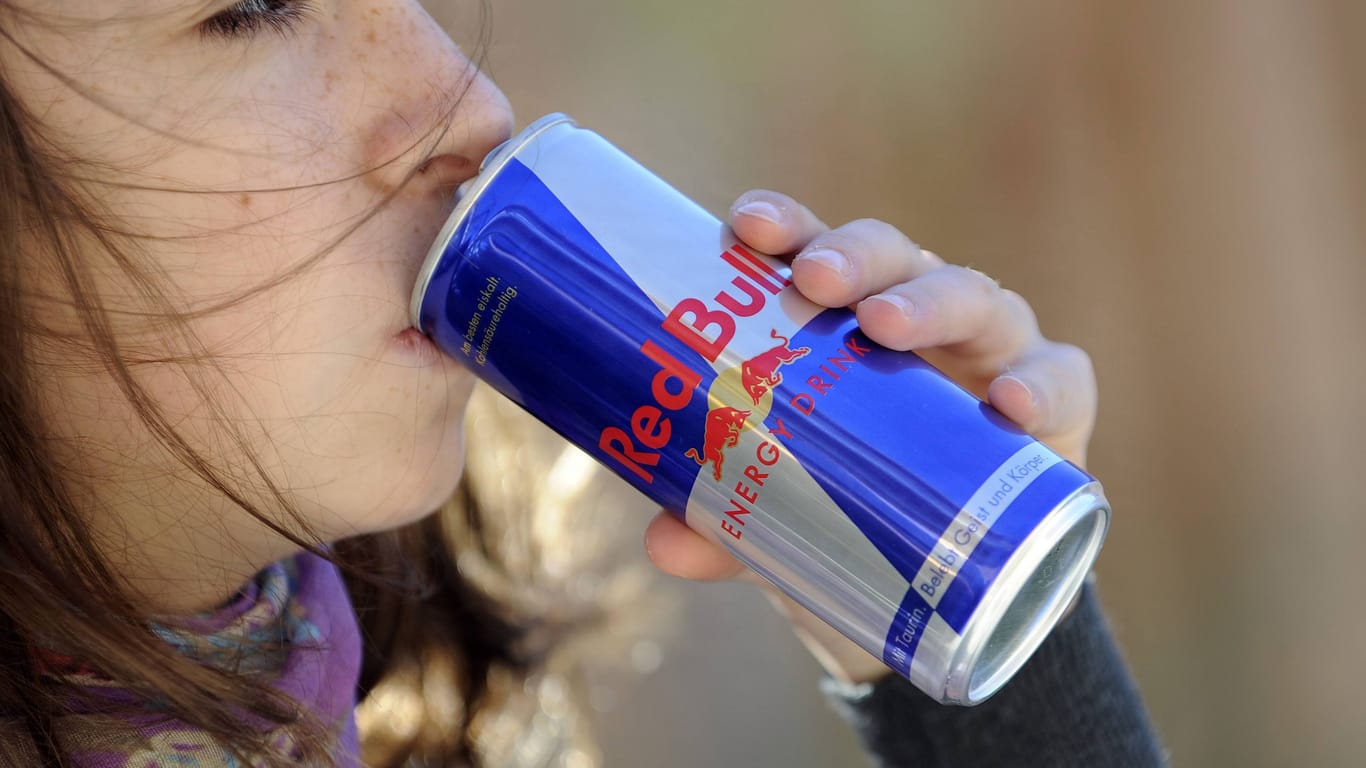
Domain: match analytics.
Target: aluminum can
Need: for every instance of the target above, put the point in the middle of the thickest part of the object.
(897, 506)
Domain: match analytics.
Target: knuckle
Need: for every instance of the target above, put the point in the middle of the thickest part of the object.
(1075, 359)
(972, 280)
(982, 282)
(1018, 309)
(871, 227)
(1016, 302)
(840, 239)
(879, 234)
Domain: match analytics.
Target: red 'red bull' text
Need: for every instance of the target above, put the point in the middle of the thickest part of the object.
(706, 329)
(691, 321)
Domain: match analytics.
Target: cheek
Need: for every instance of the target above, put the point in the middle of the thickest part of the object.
(88, 420)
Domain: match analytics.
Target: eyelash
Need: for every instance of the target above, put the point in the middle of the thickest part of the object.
(249, 17)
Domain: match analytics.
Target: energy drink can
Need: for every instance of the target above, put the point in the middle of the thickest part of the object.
(892, 503)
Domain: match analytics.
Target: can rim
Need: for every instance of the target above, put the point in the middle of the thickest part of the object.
(974, 673)
(488, 170)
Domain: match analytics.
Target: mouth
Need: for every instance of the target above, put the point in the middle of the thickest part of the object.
(418, 346)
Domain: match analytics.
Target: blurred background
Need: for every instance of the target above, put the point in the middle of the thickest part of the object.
(1175, 186)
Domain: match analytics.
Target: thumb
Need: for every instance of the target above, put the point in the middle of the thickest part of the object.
(680, 551)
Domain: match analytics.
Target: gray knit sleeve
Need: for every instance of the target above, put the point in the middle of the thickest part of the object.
(1073, 704)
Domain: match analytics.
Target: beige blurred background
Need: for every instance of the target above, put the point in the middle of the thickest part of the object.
(1175, 186)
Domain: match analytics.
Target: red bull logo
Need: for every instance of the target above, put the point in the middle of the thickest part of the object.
(706, 330)
(722, 432)
(759, 374)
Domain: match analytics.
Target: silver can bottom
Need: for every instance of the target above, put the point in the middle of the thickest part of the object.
(1029, 597)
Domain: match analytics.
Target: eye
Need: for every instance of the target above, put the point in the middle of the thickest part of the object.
(249, 17)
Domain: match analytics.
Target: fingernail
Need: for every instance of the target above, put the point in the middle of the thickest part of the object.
(760, 209)
(1033, 398)
(830, 259)
(902, 304)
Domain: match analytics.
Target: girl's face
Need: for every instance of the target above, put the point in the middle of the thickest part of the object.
(238, 140)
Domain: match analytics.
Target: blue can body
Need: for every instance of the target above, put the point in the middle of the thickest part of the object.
(862, 481)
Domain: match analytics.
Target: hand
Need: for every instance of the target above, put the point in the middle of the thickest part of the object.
(985, 337)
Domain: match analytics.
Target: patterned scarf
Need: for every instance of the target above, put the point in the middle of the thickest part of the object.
(298, 607)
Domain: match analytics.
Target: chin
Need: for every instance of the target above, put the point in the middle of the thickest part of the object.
(426, 491)
(415, 457)
(409, 505)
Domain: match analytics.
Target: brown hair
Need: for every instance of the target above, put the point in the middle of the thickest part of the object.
(57, 590)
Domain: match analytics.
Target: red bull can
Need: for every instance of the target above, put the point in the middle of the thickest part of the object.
(892, 503)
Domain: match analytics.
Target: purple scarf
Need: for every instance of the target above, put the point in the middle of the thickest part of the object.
(299, 605)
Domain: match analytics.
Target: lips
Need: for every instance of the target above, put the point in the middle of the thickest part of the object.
(417, 345)
(413, 337)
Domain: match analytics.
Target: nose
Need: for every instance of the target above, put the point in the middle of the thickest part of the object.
(477, 124)
(443, 117)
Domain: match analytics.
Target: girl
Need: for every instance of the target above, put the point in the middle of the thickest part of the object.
(213, 212)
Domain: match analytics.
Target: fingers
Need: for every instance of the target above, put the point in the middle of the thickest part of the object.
(960, 310)
(832, 267)
(861, 258)
(988, 340)
(680, 551)
(774, 223)
(1051, 393)
(957, 318)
